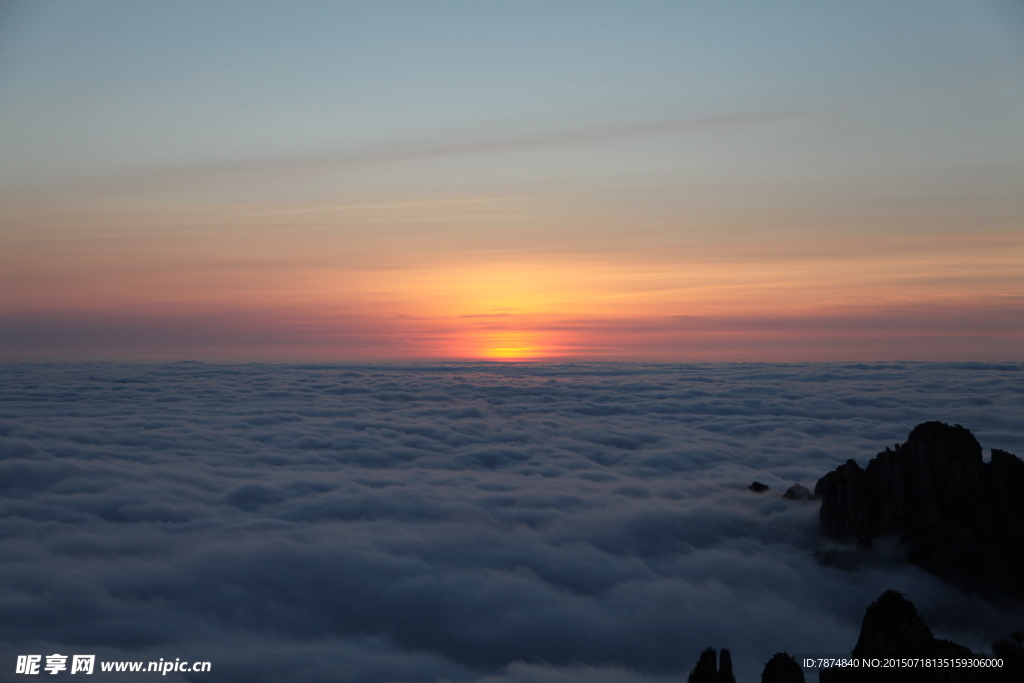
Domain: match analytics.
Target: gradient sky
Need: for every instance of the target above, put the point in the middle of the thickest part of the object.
(512, 180)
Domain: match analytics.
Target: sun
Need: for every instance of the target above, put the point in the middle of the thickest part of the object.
(511, 346)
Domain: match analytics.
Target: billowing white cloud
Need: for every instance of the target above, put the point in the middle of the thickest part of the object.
(486, 523)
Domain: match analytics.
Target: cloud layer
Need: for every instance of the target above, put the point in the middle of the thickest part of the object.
(457, 522)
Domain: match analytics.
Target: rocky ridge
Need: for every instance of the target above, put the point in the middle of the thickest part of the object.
(707, 671)
(957, 516)
(892, 628)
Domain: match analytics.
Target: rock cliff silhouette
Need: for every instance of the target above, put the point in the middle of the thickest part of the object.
(893, 629)
(706, 671)
(958, 517)
(782, 668)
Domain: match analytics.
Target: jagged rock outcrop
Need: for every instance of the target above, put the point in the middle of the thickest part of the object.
(797, 492)
(725, 674)
(782, 668)
(758, 487)
(893, 629)
(958, 517)
(1011, 651)
(707, 671)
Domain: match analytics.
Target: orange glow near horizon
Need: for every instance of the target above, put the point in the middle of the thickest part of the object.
(510, 346)
(452, 302)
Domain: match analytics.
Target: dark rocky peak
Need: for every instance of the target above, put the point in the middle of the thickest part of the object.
(957, 516)
(725, 674)
(707, 671)
(1006, 463)
(893, 628)
(1011, 651)
(758, 487)
(782, 668)
(939, 435)
(798, 492)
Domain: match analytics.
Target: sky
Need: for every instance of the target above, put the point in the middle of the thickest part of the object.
(665, 181)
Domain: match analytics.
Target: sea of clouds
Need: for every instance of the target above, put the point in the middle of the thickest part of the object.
(491, 523)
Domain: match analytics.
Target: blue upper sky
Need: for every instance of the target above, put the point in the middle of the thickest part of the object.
(125, 86)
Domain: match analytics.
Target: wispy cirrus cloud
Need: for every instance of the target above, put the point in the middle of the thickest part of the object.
(442, 144)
